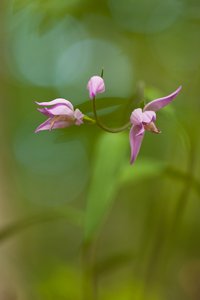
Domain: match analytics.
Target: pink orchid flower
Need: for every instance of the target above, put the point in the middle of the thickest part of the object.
(60, 113)
(142, 120)
(95, 86)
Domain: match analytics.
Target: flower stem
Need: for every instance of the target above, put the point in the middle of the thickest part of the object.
(86, 118)
(102, 126)
(102, 72)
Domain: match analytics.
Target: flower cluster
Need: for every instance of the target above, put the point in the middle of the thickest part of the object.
(61, 114)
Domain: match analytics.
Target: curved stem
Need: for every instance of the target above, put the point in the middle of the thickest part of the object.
(102, 126)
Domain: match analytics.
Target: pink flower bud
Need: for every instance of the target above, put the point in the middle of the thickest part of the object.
(95, 86)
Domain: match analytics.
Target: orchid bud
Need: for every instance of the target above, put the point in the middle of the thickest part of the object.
(95, 86)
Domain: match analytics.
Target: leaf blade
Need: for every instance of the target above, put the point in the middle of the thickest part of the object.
(109, 158)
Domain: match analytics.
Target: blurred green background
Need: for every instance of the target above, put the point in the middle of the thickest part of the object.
(77, 221)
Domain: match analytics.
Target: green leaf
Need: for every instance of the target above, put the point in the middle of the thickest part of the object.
(110, 156)
(103, 103)
(142, 169)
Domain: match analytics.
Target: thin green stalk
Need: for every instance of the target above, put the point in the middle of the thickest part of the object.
(159, 260)
(102, 126)
(86, 118)
(178, 214)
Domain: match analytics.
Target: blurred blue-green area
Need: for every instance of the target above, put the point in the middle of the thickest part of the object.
(77, 221)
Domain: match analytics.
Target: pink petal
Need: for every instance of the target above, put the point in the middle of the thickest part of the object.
(78, 117)
(148, 116)
(136, 136)
(136, 116)
(59, 109)
(95, 86)
(47, 125)
(56, 101)
(161, 102)
(44, 111)
(44, 126)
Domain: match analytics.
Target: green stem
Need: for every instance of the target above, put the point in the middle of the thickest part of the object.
(166, 238)
(105, 128)
(73, 216)
(89, 278)
(179, 211)
(86, 118)
(102, 72)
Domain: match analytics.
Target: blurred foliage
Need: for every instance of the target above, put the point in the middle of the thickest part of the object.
(62, 189)
(105, 176)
